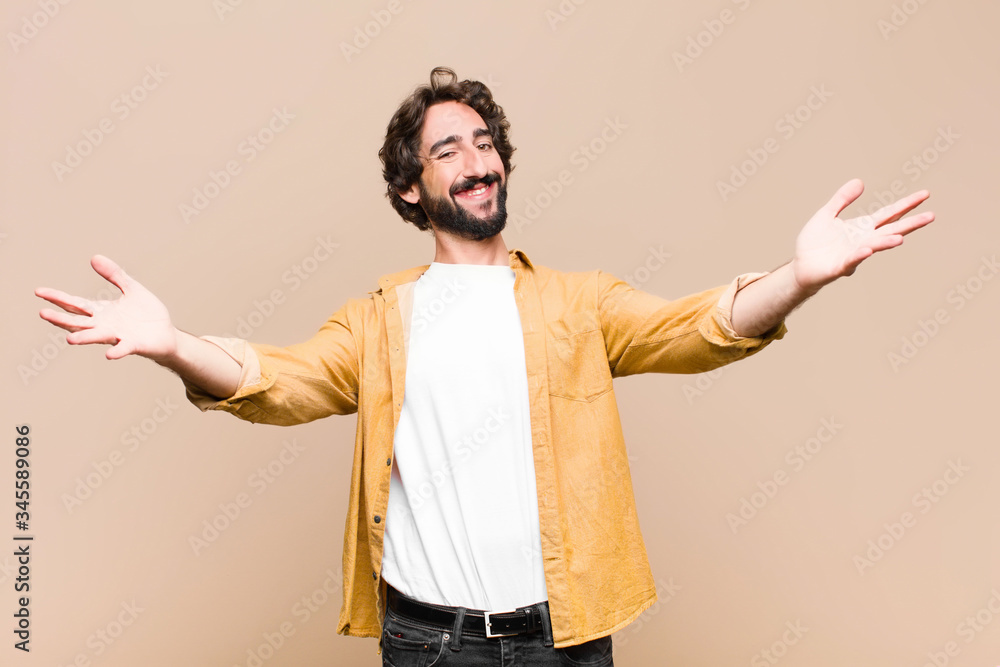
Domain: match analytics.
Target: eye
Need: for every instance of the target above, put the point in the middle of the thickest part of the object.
(447, 155)
(485, 146)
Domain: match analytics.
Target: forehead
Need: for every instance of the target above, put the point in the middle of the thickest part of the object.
(448, 119)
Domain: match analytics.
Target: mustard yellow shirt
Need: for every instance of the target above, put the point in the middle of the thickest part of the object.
(580, 331)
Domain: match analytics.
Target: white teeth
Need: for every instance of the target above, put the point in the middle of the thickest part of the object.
(479, 191)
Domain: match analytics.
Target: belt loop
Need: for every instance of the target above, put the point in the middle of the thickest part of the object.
(543, 609)
(456, 632)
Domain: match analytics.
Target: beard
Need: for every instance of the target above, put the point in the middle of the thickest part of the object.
(449, 216)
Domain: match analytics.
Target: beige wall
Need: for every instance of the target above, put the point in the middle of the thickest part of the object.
(699, 445)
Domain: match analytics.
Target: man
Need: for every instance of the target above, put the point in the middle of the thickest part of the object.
(477, 528)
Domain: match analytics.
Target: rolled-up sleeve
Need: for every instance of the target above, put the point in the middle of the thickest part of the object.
(243, 353)
(645, 333)
(723, 318)
(294, 384)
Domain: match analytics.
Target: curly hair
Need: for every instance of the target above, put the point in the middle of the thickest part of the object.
(401, 166)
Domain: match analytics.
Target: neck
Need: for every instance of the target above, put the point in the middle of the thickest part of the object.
(450, 249)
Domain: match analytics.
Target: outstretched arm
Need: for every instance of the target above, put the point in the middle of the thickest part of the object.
(138, 323)
(827, 248)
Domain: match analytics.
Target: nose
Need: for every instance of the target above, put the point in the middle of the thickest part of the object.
(475, 164)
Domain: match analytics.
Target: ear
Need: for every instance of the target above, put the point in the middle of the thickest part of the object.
(411, 196)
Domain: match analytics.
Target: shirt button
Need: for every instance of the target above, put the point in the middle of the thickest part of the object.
(378, 519)
(388, 462)
(374, 575)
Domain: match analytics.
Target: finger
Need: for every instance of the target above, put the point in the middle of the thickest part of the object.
(121, 349)
(843, 198)
(907, 225)
(90, 337)
(860, 255)
(111, 272)
(65, 320)
(880, 243)
(897, 209)
(73, 304)
(852, 262)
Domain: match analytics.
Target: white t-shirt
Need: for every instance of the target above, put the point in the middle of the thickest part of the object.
(462, 521)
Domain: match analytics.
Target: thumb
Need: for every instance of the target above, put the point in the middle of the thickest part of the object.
(844, 196)
(111, 272)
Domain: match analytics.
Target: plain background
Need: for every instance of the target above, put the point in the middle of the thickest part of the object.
(699, 446)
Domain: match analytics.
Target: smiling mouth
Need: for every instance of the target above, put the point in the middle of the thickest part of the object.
(477, 194)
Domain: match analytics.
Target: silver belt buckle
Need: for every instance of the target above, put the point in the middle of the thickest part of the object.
(486, 617)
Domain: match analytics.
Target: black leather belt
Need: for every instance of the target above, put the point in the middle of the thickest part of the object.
(521, 621)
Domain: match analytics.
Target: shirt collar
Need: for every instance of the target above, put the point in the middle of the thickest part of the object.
(388, 281)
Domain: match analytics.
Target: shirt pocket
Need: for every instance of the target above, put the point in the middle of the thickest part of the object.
(577, 357)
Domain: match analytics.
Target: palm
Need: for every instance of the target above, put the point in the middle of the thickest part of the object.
(136, 323)
(828, 247)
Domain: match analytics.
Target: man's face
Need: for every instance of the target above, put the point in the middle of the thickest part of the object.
(462, 188)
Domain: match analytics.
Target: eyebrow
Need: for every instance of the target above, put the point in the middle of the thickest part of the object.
(454, 139)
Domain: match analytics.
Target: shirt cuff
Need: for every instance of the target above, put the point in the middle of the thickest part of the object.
(723, 315)
(243, 353)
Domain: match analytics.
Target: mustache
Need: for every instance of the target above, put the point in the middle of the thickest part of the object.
(469, 183)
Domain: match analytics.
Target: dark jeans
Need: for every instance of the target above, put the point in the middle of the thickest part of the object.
(409, 643)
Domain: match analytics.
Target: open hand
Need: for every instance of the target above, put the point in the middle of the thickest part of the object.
(136, 323)
(828, 248)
